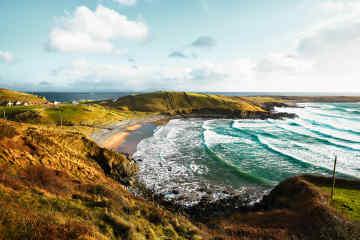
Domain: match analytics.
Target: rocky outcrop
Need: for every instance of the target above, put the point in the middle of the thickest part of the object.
(120, 167)
(236, 114)
(269, 106)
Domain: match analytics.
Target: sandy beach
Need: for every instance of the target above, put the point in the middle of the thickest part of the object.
(115, 140)
(134, 127)
(114, 135)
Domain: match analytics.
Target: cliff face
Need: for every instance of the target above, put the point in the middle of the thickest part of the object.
(57, 184)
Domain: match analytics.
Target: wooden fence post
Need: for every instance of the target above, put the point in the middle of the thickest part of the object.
(333, 180)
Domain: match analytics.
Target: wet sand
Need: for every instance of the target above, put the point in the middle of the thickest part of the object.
(115, 140)
(125, 135)
(129, 144)
(134, 127)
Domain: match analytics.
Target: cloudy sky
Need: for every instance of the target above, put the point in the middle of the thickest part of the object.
(193, 45)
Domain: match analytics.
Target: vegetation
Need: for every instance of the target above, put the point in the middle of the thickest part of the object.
(82, 117)
(183, 103)
(295, 209)
(57, 184)
(346, 198)
(13, 96)
(347, 202)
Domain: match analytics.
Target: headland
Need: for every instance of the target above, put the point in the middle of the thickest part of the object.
(57, 183)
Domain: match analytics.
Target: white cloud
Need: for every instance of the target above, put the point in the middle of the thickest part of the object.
(202, 76)
(325, 58)
(94, 31)
(6, 57)
(126, 2)
(289, 64)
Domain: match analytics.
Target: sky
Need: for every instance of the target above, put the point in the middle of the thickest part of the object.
(187, 45)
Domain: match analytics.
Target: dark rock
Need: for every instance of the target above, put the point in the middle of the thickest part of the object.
(269, 106)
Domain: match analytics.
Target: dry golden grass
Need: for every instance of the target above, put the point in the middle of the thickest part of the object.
(57, 184)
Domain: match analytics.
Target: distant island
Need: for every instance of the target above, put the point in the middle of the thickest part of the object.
(60, 179)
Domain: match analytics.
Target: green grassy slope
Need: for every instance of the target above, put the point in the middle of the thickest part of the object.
(13, 96)
(89, 115)
(346, 197)
(181, 102)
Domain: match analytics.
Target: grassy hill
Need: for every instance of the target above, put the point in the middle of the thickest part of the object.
(94, 114)
(182, 102)
(13, 96)
(55, 183)
(82, 116)
(58, 184)
(298, 208)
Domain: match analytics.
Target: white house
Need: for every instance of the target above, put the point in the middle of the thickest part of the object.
(56, 102)
(10, 104)
(26, 104)
(18, 103)
(75, 103)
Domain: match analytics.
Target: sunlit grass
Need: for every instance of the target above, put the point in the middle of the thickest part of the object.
(346, 201)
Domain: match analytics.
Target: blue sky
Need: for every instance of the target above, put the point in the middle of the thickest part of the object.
(195, 45)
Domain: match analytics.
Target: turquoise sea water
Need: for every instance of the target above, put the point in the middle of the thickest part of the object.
(250, 156)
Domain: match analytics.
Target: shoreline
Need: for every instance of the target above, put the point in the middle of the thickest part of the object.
(114, 135)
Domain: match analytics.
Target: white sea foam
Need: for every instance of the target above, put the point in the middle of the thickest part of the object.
(175, 157)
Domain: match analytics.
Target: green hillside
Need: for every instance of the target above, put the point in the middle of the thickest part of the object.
(182, 102)
(14, 96)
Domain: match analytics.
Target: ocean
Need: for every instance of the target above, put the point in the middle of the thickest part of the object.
(186, 160)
